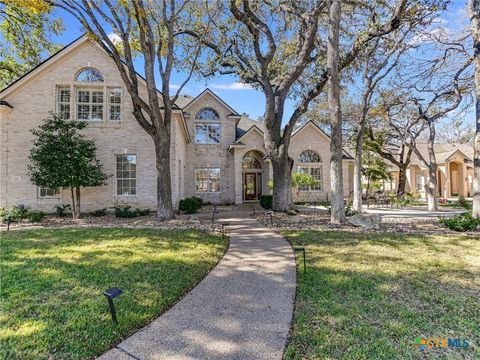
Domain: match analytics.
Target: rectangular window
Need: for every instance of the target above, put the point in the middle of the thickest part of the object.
(63, 102)
(207, 133)
(44, 192)
(126, 171)
(89, 104)
(420, 182)
(317, 173)
(114, 103)
(207, 180)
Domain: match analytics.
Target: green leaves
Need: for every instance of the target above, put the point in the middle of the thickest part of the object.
(26, 28)
(61, 157)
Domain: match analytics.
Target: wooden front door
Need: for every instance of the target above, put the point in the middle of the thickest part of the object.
(250, 186)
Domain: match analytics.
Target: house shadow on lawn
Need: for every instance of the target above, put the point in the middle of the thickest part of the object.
(368, 296)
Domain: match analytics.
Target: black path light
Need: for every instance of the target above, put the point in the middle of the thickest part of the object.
(214, 211)
(302, 249)
(223, 229)
(110, 294)
(271, 216)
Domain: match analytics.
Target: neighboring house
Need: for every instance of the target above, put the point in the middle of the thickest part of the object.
(454, 171)
(216, 153)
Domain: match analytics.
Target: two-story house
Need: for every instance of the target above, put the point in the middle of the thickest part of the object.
(216, 153)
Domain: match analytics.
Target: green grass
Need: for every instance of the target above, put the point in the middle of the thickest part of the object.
(368, 296)
(52, 283)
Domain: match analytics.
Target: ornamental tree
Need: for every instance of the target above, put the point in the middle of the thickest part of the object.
(62, 157)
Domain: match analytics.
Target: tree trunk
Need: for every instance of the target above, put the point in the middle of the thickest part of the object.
(431, 188)
(474, 12)
(282, 184)
(77, 191)
(164, 189)
(357, 176)
(74, 207)
(402, 180)
(336, 171)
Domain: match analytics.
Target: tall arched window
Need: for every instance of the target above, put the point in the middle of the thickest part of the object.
(207, 114)
(207, 133)
(310, 162)
(89, 75)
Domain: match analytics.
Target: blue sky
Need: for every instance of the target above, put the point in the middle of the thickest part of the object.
(240, 97)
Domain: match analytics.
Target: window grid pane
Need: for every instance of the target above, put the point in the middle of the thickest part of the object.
(89, 104)
(207, 180)
(63, 102)
(207, 133)
(46, 192)
(126, 172)
(115, 99)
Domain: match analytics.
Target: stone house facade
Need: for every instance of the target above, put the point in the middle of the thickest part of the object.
(216, 153)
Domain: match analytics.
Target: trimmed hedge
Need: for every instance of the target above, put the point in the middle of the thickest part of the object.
(266, 201)
(190, 205)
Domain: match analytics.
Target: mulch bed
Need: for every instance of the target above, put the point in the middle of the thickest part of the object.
(319, 219)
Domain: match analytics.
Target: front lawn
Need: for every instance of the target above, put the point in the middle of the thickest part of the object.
(52, 283)
(369, 296)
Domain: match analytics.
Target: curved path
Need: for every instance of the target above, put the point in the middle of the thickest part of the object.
(241, 310)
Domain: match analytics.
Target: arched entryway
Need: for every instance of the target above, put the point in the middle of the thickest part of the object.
(252, 175)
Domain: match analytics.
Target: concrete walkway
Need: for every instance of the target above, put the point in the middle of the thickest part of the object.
(241, 310)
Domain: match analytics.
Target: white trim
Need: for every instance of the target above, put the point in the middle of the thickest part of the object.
(61, 54)
(208, 91)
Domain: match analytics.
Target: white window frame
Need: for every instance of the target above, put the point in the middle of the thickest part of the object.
(117, 179)
(208, 128)
(110, 104)
(90, 104)
(309, 167)
(55, 195)
(422, 187)
(209, 181)
(61, 102)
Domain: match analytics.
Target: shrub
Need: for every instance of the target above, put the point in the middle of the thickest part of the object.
(190, 205)
(464, 203)
(124, 212)
(266, 201)
(99, 212)
(291, 212)
(35, 216)
(462, 222)
(61, 210)
(12, 215)
(142, 212)
(349, 208)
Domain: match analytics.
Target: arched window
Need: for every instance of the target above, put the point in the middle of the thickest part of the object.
(207, 133)
(309, 156)
(89, 75)
(207, 114)
(310, 162)
(252, 163)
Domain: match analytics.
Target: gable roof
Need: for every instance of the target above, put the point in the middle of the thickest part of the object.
(63, 51)
(442, 152)
(245, 124)
(345, 155)
(215, 96)
(55, 57)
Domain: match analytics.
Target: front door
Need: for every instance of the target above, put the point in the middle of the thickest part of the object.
(250, 186)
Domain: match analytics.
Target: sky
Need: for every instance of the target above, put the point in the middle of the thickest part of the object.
(239, 96)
